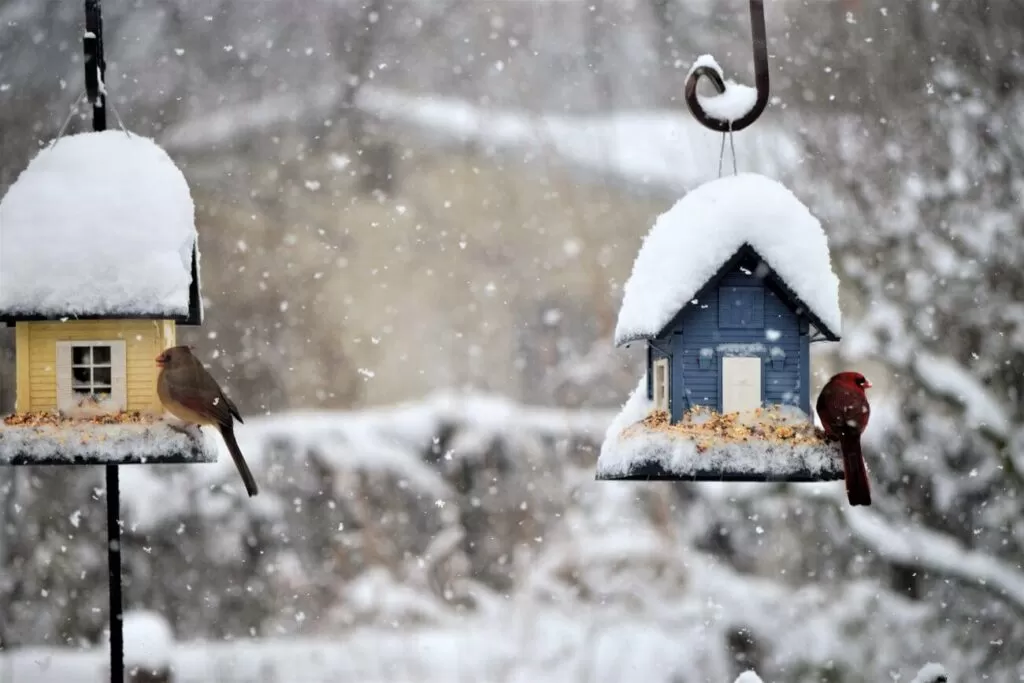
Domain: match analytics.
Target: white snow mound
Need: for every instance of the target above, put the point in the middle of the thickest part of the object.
(690, 242)
(931, 673)
(749, 677)
(148, 640)
(99, 223)
(732, 105)
(111, 444)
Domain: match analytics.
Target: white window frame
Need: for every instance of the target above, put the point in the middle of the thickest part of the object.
(749, 365)
(67, 399)
(661, 384)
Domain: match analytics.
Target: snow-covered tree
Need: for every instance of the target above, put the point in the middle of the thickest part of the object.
(924, 166)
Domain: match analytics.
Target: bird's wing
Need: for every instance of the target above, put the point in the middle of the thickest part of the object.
(194, 388)
(842, 406)
(233, 408)
(209, 385)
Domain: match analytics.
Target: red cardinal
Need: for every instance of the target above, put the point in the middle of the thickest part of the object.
(844, 412)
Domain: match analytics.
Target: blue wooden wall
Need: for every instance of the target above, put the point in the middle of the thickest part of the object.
(738, 315)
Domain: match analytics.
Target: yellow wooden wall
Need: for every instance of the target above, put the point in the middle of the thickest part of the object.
(36, 357)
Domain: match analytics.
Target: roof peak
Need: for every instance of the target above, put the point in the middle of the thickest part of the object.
(706, 229)
(771, 280)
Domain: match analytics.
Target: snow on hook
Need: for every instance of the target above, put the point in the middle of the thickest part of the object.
(733, 101)
(735, 106)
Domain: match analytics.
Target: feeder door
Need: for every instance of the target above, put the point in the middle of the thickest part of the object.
(661, 384)
(741, 384)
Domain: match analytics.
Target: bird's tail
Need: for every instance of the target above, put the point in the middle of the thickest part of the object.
(228, 432)
(855, 471)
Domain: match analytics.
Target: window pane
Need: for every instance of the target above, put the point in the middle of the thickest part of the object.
(81, 378)
(80, 355)
(101, 376)
(101, 355)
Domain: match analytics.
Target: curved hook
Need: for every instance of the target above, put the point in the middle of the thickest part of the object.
(759, 35)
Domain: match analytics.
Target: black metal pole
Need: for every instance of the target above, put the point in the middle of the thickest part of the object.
(114, 570)
(95, 88)
(95, 64)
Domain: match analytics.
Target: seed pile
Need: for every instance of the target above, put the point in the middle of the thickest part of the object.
(707, 427)
(57, 419)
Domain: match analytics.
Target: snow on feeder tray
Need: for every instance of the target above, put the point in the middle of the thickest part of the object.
(729, 290)
(99, 263)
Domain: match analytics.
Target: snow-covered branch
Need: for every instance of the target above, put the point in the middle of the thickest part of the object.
(918, 546)
(937, 553)
(948, 379)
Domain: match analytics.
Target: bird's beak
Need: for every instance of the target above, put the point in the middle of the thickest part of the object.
(161, 360)
(867, 383)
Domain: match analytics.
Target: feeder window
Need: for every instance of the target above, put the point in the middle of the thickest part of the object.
(741, 307)
(741, 383)
(91, 371)
(661, 384)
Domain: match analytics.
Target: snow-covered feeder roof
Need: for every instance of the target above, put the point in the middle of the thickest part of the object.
(99, 225)
(691, 242)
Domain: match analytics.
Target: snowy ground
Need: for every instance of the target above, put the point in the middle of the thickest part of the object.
(534, 641)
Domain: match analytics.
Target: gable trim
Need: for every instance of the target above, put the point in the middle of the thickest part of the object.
(771, 280)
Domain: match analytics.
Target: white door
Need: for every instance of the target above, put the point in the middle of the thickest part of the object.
(661, 384)
(741, 383)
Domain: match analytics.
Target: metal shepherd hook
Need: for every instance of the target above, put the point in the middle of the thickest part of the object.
(96, 90)
(95, 64)
(759, 35)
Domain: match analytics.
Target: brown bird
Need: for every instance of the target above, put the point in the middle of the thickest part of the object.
(844, 412)
(190, 393)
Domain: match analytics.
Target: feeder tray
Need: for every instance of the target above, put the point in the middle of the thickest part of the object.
(774, 444)
(126, 438)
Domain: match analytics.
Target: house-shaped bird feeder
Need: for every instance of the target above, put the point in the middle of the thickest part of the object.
(730, 289)
(99, 263)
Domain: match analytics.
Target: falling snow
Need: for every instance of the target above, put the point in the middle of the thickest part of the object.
(418, 223)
